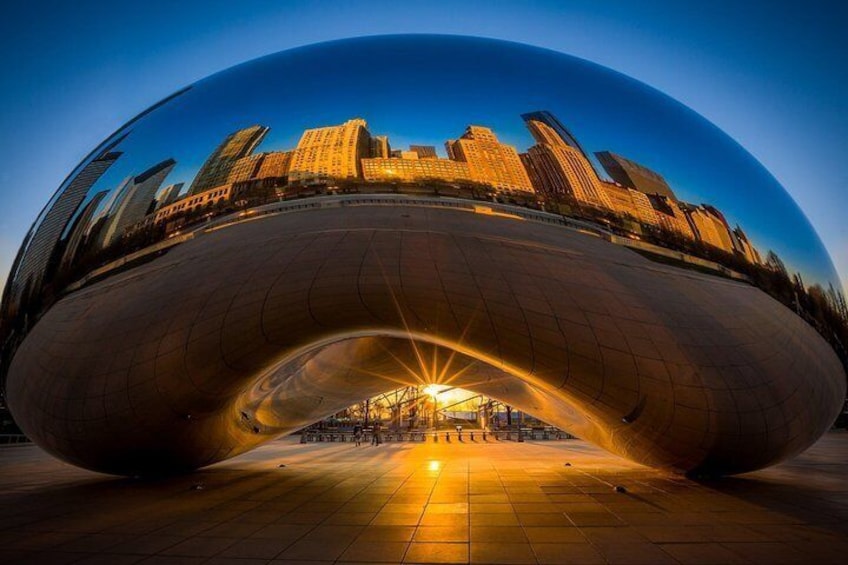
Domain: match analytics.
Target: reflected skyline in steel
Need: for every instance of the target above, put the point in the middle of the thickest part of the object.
(497, 128)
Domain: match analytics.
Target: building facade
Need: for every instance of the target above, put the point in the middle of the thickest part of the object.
(561, 169)
(37, 257)
(744, 247)
(670, 216)
(136, 200)
(216, 169)
(629, 202)
(193, 202)
(245, 168)
(710, 227)
(424, 151)
(411, 170)
(168, 195)
(561, 133)
(275, 164)
(380, 146)
(332, 152)
(490, 161)
(633, 175)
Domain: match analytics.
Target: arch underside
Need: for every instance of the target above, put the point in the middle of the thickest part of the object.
(254, 330)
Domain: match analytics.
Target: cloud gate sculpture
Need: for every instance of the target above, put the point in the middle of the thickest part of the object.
(285, 238)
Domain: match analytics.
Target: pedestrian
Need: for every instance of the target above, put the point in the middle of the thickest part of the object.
(375, 438)
(357, 434)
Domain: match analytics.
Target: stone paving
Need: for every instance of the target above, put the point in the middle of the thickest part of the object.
(498, 502)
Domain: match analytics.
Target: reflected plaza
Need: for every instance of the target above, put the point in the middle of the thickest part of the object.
(558, 309)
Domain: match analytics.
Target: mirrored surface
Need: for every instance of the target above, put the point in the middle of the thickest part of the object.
(575, 170)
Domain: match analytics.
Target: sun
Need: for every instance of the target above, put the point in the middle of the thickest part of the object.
(435, 390)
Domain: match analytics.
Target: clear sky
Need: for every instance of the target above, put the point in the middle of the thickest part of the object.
(771, 74)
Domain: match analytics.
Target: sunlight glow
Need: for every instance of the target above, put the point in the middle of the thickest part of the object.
(435, 390)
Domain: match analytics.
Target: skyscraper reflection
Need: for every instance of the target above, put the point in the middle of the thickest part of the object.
(216, 170)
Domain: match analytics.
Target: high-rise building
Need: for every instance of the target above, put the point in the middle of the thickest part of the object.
(709, 226)
(490, 161)
(380, 147)
(630, 202)
(332, 152)
(191, 203)
(275, 164)
(218, 165)
(168, 195)
(562, 169)
(245, 168)
(555, 127)
(424, 151)
(134, 200)
(79, 230)
(744, 247)
(36, 260)
(633, 175)
(671, 216)
(408, 170)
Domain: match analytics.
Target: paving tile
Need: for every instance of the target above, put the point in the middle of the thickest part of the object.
(378, 533)
(442, 533)
(567, 553)
(676, 534)
(146, 545)
(702, 553)
(500, 552)
(593, 519)
(771, 552)
(199, 546)
(396, 519)
(105, 559)
(255, 548)
(544, 519)
(491, 508)
(506, 534)
(326, 549)
(554, 534)
(282, 531)
(447, 508)
(633, 553)
(48, 558)
(231, 561)
(374, 552)
(426, 552)
(494, 520)
(172, 560)
(351, 518)
(447, 519)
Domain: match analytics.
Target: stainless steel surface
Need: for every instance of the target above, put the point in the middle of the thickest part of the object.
(249, 256)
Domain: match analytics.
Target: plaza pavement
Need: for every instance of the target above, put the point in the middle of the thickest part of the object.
(495, 502)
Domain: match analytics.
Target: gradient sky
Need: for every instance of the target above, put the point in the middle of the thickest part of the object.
(771, 74)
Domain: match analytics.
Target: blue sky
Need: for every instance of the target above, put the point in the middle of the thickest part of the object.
(772, 75)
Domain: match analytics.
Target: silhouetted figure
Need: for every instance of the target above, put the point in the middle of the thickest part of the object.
(357, 434)
(375, 435)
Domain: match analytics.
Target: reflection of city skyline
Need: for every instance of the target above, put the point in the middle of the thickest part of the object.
(557, 169)
(554, 174)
